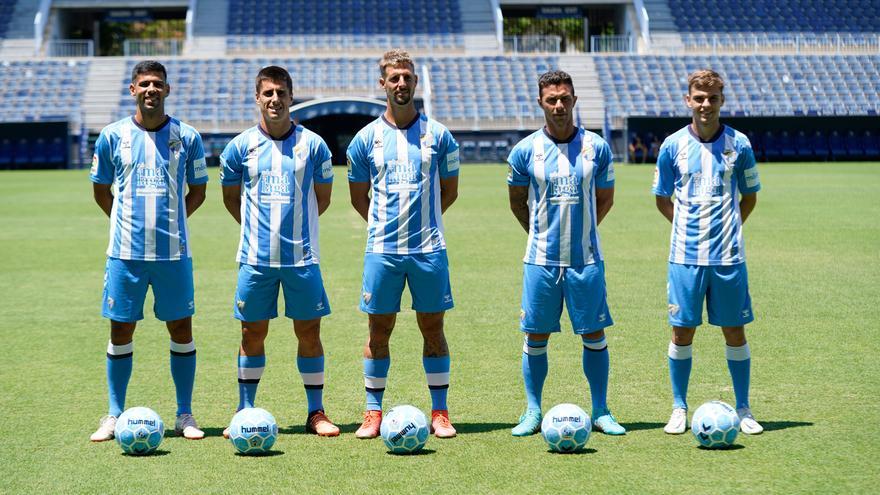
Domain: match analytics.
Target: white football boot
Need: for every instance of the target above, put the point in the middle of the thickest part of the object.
(106, 429)
(677, 423)
(747, 423)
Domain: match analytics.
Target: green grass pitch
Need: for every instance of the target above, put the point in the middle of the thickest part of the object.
(813, 248)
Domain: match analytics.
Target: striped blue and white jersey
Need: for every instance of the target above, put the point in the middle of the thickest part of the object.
(149, 171)
(562, 178)
(705, 178)
(279, 210)
(404, 166)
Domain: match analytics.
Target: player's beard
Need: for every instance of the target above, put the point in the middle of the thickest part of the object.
(402, 99)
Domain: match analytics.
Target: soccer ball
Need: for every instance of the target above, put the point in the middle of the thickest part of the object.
(715, 425)
(253, 431)
(139, 431)
(566, 428)
(404, 430)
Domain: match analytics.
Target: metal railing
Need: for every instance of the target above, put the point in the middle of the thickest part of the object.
(70, 48)
(152, 47)
(614, 43)
(821, 43)
(532, 44)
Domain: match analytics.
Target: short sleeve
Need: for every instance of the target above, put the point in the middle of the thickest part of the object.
(449, 160)
(605, 161)
(518, 167)
(196, 167)
(358, 163)
(103, 169)
(747, 171)
(231, 164)
(321, 159)
(664, 174)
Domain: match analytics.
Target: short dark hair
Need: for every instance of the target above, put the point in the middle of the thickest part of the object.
(275, 74)
(554, 78)
(148, 66)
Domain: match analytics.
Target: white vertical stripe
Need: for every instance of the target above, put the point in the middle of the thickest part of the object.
(404, 197)
(174, 208)
(429, 186)
(380, 199)
(707, 162)
(563, 169)
(588, 202)
(253, 191)
(299, 172)
(679, 230)
(150, 199)
(127, 192)
(731, 226)
(276, 158)
(540, 212)
(314, 250)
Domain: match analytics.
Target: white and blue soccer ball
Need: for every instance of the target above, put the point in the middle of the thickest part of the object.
(253, 431)
(404, 430)
(566, 428)
(139, 431)
(715, 425)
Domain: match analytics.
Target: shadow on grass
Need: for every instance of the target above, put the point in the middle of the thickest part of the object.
(270, 453)
(420, 452)
(782, 425)
(213, 432)
(579, 452)
(735, 446)
(642, 426)
(301, 429)
(468, 428)
(157, 453)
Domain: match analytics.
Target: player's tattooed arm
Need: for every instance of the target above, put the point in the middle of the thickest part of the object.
(360, 197)
(448, 192)
(604, 201)
(519, 204)
(665, 206)
(747, 204)
(232, 201)
(195, 197)
(103, 196)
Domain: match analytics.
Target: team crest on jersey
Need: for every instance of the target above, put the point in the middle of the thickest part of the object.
(729, 157)
(367, 297)
(240, 304)
(251, 153)
(174, 144)
(673, 309)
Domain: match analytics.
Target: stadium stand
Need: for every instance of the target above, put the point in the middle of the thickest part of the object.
(778, 85)
(350, 25)
(457, 93)
(42, 90)
(817, 16)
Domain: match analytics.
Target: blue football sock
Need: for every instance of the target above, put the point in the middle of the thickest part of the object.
(375, 376)
(534, 370)
(250, 370)
(437, 372)
(183, 372)
(680, 361)
(594, 360)
(311, 369)
(119, 360)
(739, 362)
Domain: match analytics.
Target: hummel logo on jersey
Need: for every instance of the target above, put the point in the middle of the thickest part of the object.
(447, 298)
(191, 305)
(319, 306)
(746, 313)
(251, 152)
(377, 143)
(110, 302)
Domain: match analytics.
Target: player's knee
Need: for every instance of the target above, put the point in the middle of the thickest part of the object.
(180, 330)
(121, 332)
(683, 335)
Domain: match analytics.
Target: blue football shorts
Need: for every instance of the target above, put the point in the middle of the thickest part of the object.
(724, 288)
(125, 288)
(581, 287)
(426, 274)
(256, 296)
